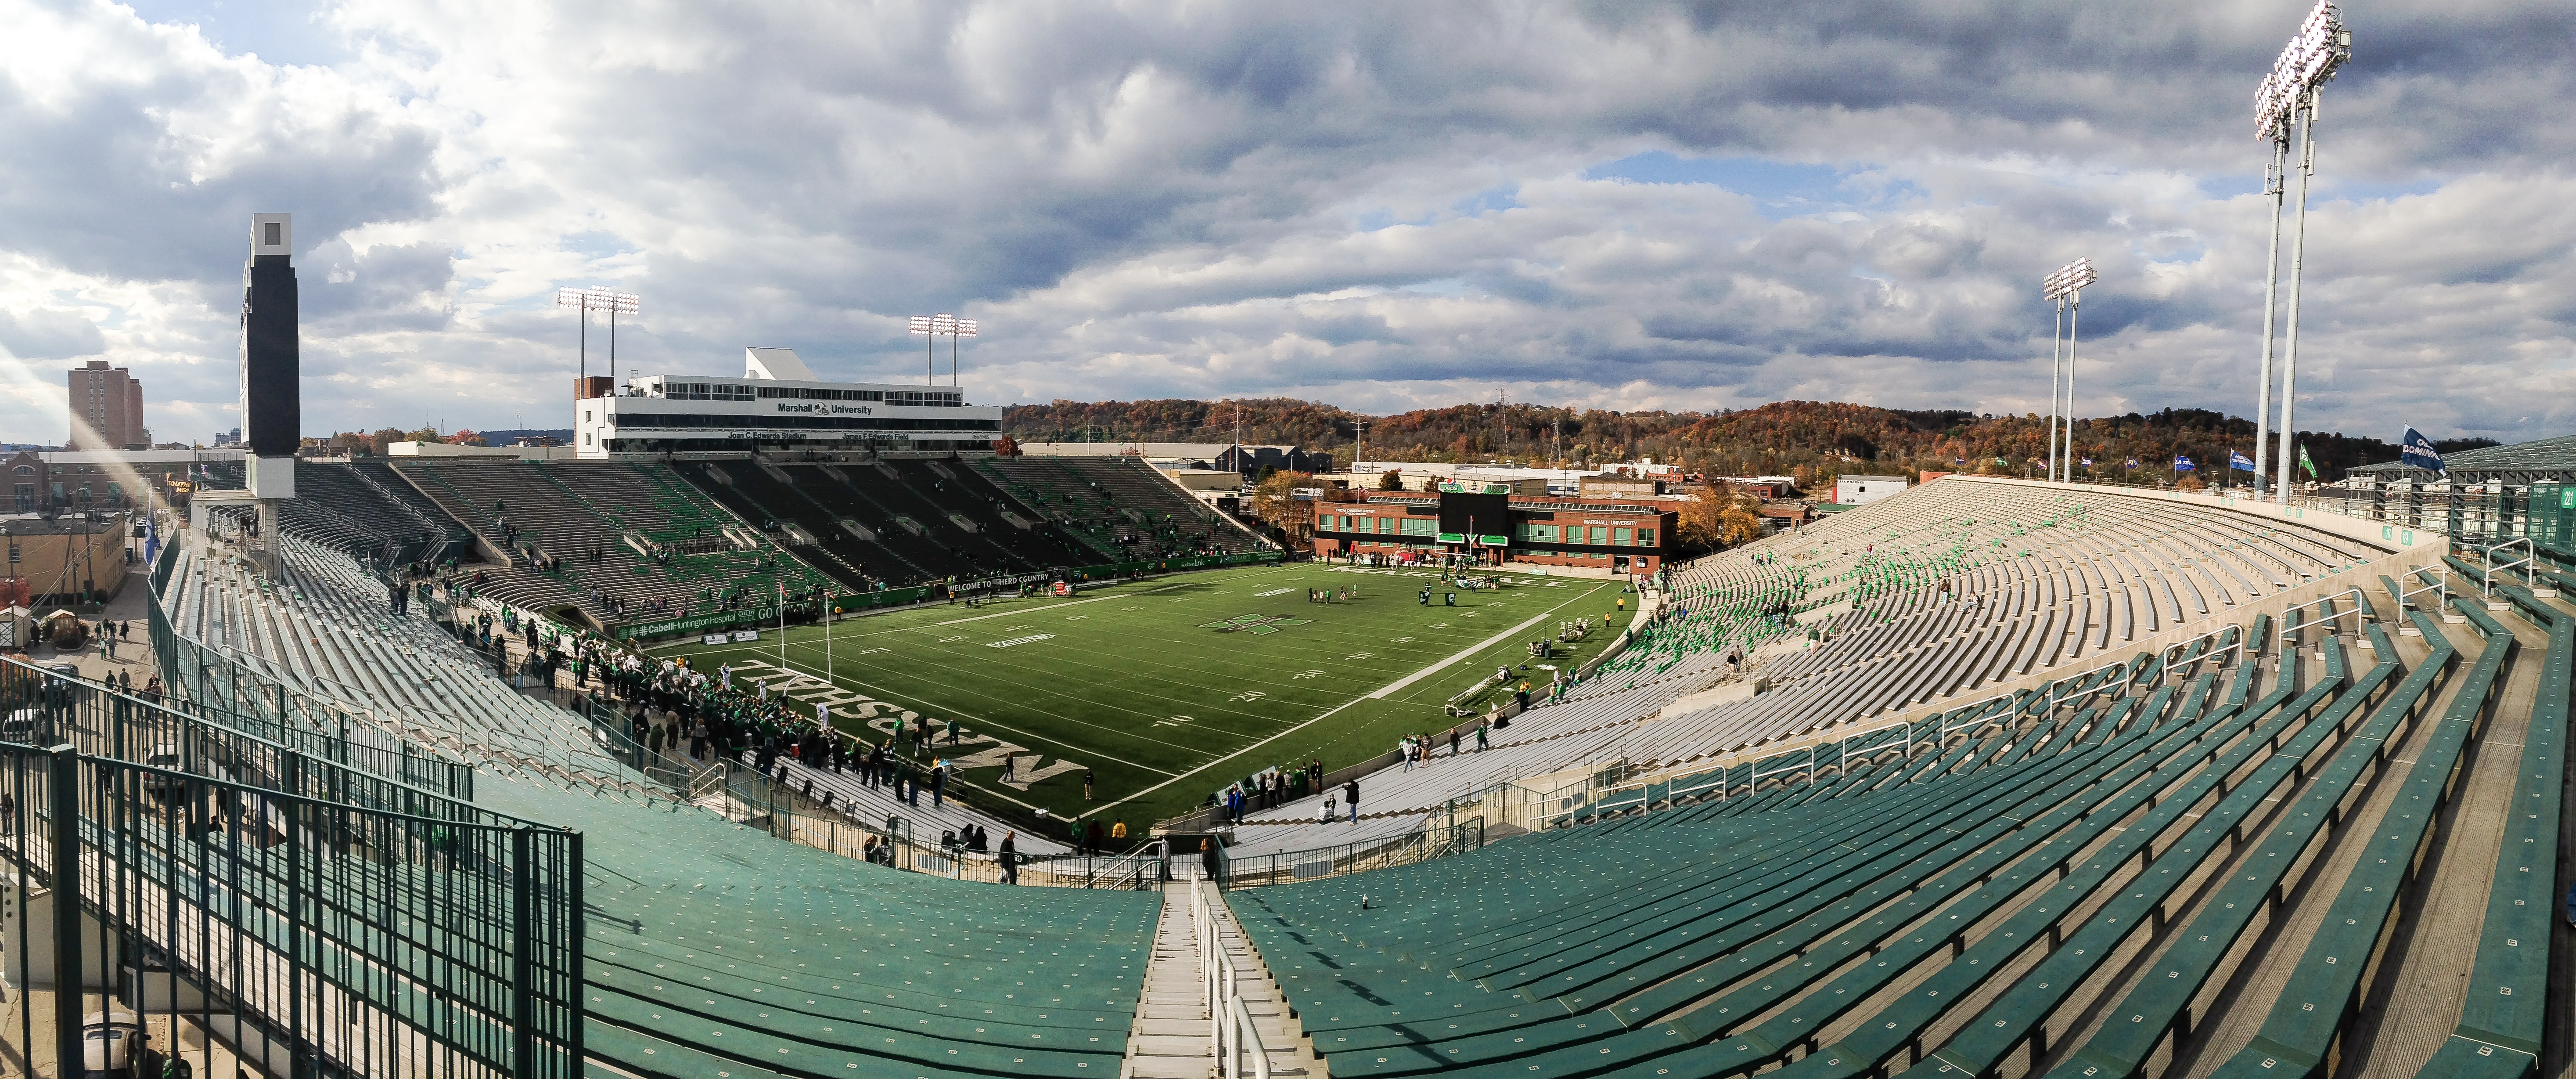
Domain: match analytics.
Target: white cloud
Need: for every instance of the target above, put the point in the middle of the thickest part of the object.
(1380, 206)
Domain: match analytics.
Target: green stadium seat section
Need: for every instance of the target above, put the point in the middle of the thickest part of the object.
(717, 948)
(2324, 986)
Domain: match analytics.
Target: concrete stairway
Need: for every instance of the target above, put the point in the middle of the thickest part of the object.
(1170, 1039)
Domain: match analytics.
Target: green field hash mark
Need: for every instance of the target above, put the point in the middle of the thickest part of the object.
(1255, 624)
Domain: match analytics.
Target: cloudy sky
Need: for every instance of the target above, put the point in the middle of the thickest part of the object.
(1382, 206)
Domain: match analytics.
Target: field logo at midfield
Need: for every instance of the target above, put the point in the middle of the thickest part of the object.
(1255, 624)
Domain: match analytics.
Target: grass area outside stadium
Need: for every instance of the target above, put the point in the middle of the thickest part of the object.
(1167, 688)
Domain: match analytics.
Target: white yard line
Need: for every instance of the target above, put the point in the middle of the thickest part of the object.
(1462, 656)
(688, 643)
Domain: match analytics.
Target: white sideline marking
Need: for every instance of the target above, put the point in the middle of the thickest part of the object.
(1468, 653)
(1398, 684)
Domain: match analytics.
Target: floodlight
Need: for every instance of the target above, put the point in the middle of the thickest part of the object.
(2067, 279)
(2295, 83)
(587, 300)
(598, 299)
(2307, 62)
(2064, 287)
(921, 325)
(964, 327)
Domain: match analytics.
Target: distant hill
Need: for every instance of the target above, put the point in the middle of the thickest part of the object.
(1807, 439)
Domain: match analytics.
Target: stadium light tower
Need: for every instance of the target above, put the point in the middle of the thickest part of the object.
(930, 328)
(2290, 94)
(587, 300)
(964, 327)
(2065, 288)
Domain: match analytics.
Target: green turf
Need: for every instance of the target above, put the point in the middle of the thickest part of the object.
(1168, 688)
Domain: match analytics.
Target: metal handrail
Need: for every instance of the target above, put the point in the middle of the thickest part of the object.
(1134, 862)
(2529, 563)
(1248, 1039)
(1231, 1031)
(1433, 839)
(2436, 578)
(2360, 613)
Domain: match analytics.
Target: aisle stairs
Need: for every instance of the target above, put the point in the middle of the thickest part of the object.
(1174, 1036)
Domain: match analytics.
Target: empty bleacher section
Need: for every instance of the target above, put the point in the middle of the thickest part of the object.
(325, 632)
(1953, 588)
(890, 524)
(2201, 865)
(618, 542)
(363, 509)
(1118, 505)
(710, 954)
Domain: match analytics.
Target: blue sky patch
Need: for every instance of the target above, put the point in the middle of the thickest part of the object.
(1780, 188)
(1491, 201)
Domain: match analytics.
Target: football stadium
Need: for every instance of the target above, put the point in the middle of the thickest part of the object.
(790, 727)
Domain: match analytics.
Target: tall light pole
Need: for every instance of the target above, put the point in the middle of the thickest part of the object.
(962, 327)
(587, 300)
(930, 328)
(2290, 94)
(2275, 125)
(2056, 350)
(2065, 288)
(620, 303)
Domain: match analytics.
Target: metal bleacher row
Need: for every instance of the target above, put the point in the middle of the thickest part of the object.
(710, 956)
(1951, 588)
(360, 507)
(2070, 888)
(1117, 505)
(570, 510)
(325, 631)
(909, 522)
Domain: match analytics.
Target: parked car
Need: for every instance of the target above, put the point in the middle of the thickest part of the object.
(22, 726)
(114, 1045)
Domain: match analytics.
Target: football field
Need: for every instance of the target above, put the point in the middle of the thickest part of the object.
(1167, 689)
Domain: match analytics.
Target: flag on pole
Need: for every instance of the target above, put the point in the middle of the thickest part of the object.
(2085, 461)
(151, 541)
(2239, 461)
(2133, 463)
(2311, 466)
(2417, 450)
(2183, 464)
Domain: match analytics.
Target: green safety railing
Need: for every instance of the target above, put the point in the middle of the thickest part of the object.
(316, 920)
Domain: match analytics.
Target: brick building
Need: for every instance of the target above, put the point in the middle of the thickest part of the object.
(107, 409)
(1493, 525)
